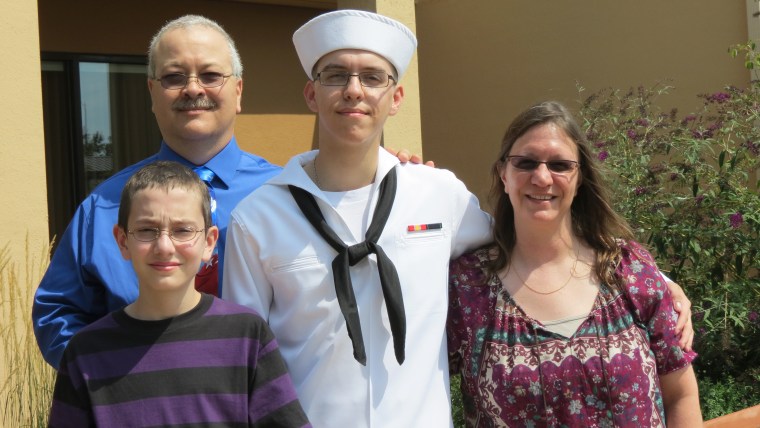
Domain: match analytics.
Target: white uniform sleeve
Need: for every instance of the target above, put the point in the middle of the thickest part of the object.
(245, 282)
(472, 226)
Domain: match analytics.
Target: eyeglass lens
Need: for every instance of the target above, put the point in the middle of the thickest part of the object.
(178, 234)
(528, 164)
(179, 80)
(370, 79)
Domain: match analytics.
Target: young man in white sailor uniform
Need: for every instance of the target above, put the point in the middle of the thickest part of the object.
(346, 251)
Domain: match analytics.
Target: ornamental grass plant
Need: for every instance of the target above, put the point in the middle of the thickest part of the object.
(27, 380)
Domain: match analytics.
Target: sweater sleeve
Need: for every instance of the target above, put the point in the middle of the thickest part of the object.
(273, 401)
(71, 401)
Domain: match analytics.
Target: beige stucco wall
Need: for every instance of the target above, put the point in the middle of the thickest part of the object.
(480, 61)
(275, 122)
(23, 218)
(483, 61)
(22, 143)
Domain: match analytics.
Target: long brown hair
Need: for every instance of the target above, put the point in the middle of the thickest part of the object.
(594, 220)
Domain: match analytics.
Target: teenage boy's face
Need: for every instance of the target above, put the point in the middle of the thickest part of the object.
(164, 264)
(352, 113)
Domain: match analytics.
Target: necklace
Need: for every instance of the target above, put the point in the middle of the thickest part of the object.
(572, 274)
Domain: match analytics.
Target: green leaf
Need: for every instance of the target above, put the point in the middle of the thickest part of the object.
(733, 161)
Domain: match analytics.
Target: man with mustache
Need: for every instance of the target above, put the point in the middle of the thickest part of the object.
(195, 83)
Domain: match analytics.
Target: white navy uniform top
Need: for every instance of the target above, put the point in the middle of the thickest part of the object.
(278, 264)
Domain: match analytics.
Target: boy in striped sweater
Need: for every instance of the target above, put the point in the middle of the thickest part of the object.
(174, 357)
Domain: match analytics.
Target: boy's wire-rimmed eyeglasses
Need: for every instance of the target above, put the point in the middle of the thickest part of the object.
(559, 166)
(180, 81)
(178, 234)
(368, 79)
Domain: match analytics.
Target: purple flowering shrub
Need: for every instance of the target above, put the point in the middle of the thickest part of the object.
(689, 186)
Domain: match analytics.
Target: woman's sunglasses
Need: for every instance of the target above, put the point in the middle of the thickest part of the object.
(559, 166)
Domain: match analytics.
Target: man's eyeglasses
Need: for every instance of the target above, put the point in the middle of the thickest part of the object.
(178, 234)
(560, 166)
(180, 81)
(368, 79)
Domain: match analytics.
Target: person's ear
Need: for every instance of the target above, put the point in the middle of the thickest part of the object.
(121, 240)
(310, 95)
(503, 176)
(398, 97)
(212, 235)
(239, 94)
(150, 91)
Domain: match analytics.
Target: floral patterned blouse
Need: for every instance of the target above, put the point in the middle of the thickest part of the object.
(516, 373)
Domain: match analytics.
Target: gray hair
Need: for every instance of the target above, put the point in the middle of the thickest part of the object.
(188, 21)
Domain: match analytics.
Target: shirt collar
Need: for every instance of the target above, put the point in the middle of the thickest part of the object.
(385, 163)
(224, 164)
(293, 173)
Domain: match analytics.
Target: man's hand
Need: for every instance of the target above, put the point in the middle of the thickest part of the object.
(682, 305)
(404, 157)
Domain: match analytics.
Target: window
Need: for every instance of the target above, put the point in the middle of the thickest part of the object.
(98, 120)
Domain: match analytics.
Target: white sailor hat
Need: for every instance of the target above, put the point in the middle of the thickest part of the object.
(354, 29)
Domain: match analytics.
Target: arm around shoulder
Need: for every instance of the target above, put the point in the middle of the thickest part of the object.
(682, 306)
(63, 302)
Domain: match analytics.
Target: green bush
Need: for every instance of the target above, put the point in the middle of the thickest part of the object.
(688, 185)
(457, 408)
(726, 396)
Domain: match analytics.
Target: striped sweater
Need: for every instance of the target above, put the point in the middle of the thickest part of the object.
(217, 365)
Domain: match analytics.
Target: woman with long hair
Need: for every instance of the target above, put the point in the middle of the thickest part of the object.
(564, 320)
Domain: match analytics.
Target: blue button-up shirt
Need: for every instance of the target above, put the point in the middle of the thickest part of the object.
(87, 277)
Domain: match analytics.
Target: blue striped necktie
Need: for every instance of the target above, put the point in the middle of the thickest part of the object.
(207, 278)
(208, 176)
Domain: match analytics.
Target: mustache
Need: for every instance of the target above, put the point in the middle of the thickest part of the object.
(193, 104)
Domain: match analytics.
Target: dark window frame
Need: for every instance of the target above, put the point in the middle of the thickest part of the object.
(60, 216)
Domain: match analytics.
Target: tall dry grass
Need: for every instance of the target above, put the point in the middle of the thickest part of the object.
(27, 380)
